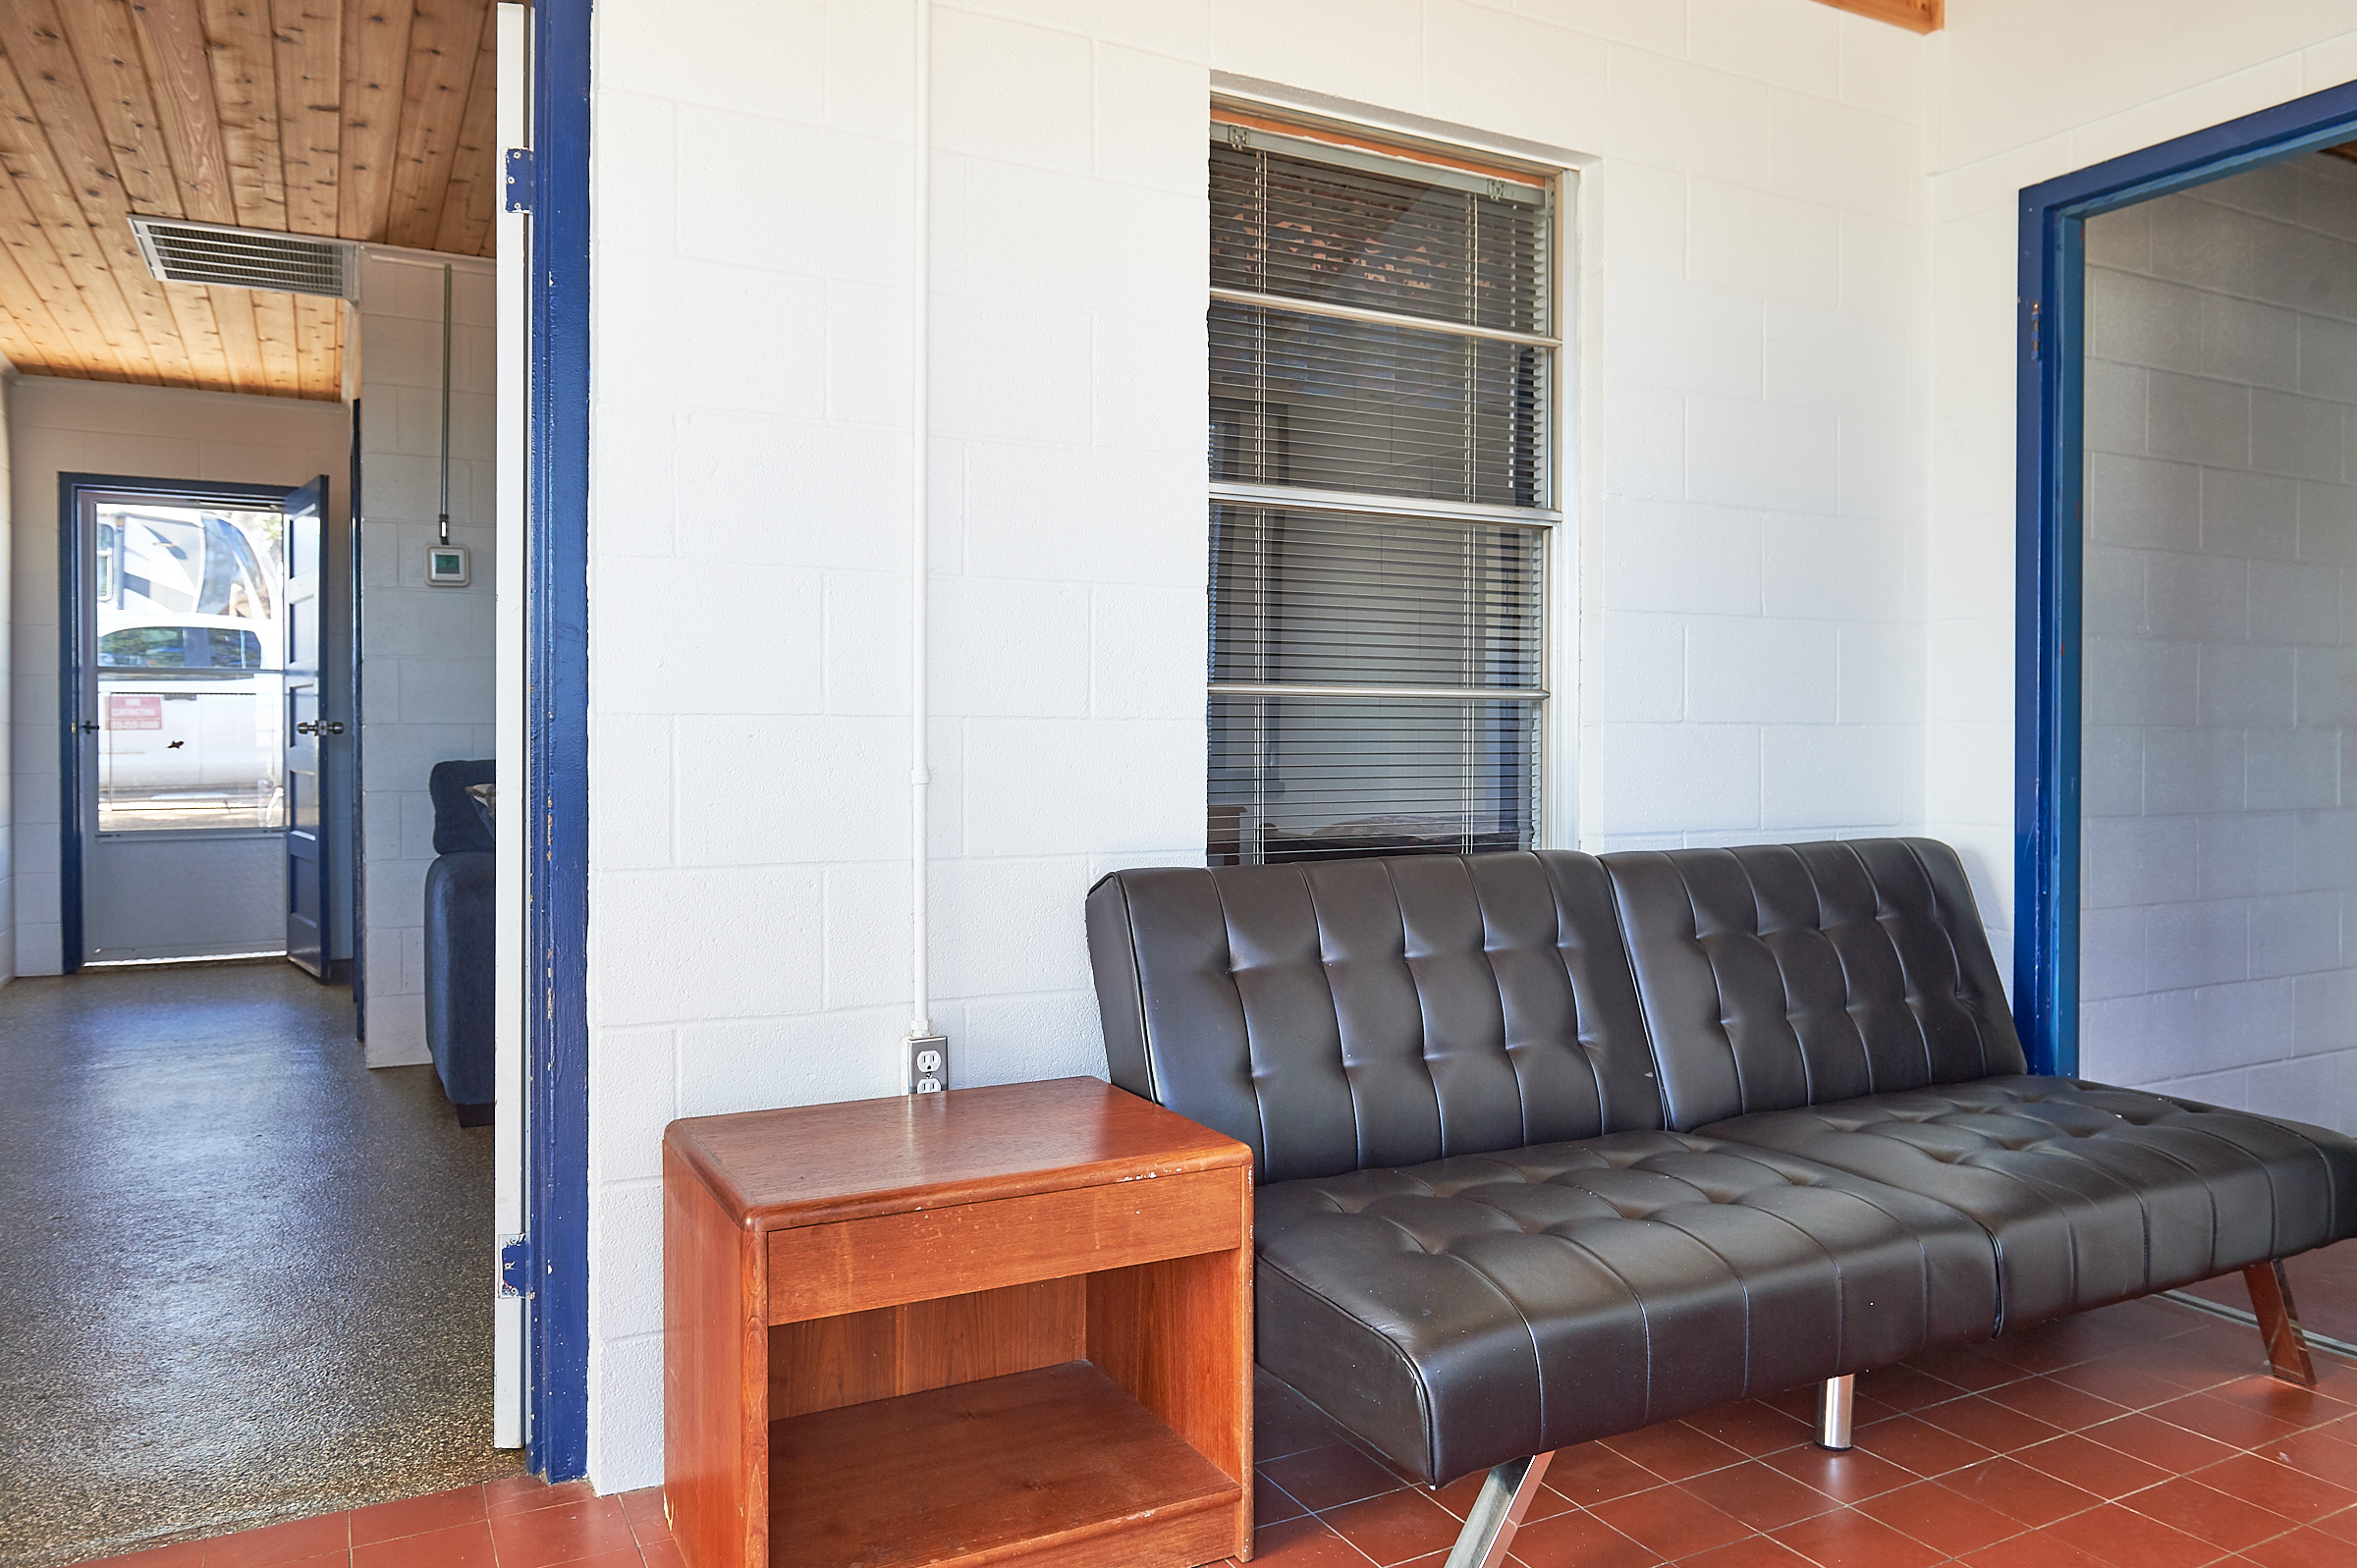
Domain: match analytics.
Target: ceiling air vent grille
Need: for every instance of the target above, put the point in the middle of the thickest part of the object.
(241, 258)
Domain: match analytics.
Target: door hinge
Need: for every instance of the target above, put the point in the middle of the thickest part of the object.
(516, 1266)
(520, 180)
(2037, 312)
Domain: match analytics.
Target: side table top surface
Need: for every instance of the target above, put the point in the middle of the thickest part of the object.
(814, 1164)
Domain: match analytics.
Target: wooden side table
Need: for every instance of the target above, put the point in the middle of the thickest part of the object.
(1007, 1325)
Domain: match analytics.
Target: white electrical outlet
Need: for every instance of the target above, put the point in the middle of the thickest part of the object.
(928, 1064)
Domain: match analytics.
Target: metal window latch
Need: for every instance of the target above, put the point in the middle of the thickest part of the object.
(325, 726)
(520, 180)
(516, 1266)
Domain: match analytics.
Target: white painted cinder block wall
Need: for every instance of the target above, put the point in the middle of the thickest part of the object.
(426, 667)
(1793, 553)
(59, 426)
(2220, 846)
(1751, 362)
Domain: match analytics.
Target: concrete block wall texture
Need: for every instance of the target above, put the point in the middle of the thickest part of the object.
(2220, 854)
(426, 654)
(1749, 363)
(1787, 576)
(63, 426)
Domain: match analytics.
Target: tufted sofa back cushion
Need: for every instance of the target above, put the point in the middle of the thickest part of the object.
(1784, 975)
(1353, 1013)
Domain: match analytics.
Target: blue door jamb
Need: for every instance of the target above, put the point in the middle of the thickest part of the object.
(2051, 337)
(557, 709)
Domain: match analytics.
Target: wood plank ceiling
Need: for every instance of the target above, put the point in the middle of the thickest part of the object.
(347, 119)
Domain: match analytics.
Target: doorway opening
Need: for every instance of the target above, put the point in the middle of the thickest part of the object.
(425, 324)
(2053, 498)
(193, 695)
(2186, 754)
(209, 636)
(2219, 698)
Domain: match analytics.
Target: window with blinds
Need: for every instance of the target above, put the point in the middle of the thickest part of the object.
(1382, 364)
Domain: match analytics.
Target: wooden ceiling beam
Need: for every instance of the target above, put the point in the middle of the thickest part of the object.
(105, 45)
(93, 147)
(470, 198)
(55, 89)
(170, 36)
(44, 338)
(319, 346)
(55, 201)
(26, 332)
(1916, 16)
(159, 329)
(77, 339)
(445, 41)
(56, 78)
(361, 120)
(276, 341)
(309, 64)
(244, 61)
(240, 338)
(200, 332)
(377, 55)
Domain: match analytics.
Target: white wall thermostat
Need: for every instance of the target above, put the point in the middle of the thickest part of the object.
(446, 567)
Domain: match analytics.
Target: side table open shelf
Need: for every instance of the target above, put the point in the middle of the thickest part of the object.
(1007, 1325)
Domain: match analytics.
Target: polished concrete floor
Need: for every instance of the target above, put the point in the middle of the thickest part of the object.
(243, 1277)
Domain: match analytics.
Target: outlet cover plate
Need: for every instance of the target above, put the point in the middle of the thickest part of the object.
(926, 1064)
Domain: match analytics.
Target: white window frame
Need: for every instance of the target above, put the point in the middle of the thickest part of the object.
(1555, 810)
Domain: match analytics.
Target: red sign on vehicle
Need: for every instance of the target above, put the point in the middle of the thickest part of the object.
(135, 713)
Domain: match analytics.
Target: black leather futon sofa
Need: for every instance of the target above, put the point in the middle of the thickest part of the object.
(461, 916)
(1554, 1146)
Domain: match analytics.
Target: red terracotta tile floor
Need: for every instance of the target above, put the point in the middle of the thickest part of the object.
(2144, 1436)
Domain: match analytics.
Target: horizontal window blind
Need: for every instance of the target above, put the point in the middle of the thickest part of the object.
(1324, 598)
(1314, 777)
(1344, 405)
(1377, 676)
(1310, 231)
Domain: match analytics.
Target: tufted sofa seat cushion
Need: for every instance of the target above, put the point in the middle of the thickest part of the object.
(2092, 1194)
(1472, 1310)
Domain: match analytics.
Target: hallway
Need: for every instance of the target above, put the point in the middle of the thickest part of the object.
(247, 1279)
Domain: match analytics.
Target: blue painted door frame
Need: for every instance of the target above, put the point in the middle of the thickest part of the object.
(73, 616)
(2051, 343)
(557, 815)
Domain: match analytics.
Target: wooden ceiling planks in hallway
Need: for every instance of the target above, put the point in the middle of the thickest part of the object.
(364, 119)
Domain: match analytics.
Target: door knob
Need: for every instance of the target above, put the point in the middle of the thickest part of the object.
(325, 726)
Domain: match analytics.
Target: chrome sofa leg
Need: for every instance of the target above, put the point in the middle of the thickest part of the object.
(1489, 1526)
(1833, 1412)
(2280, 1322)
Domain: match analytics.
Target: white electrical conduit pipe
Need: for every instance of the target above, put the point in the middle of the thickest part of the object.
(445, 517)
(920, 289)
